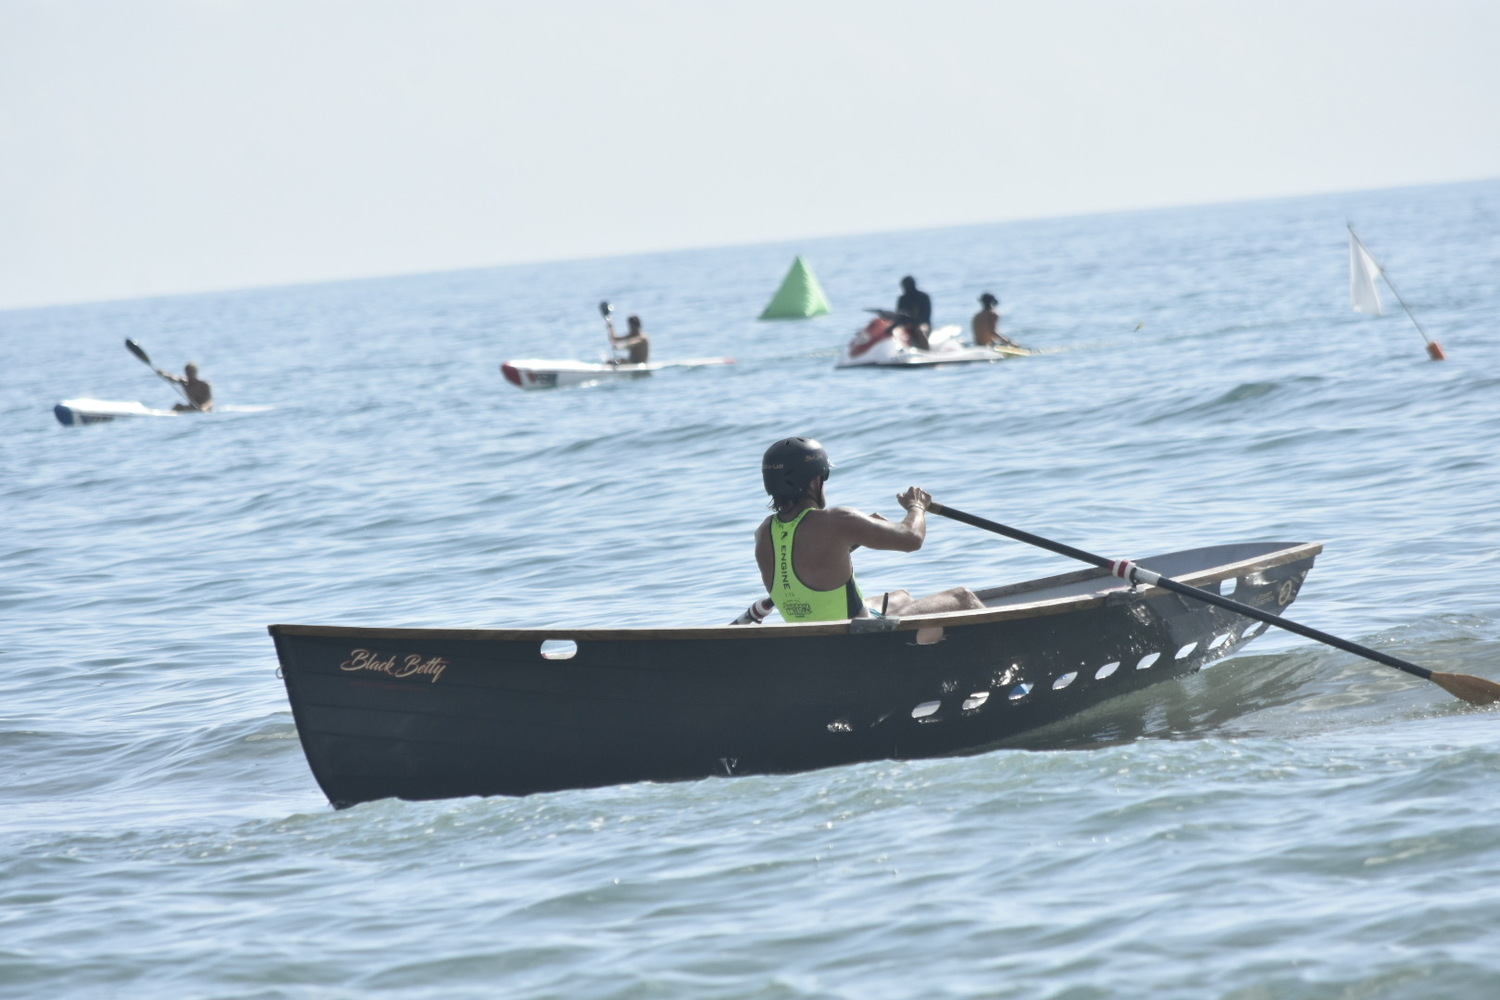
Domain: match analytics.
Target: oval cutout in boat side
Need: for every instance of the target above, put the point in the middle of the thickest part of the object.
(1148, 661)
(1106, 670)
(926, 709)
(1065, 680)
(559, 649)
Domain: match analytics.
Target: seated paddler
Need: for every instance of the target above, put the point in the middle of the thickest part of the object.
(199, 393)
(804, 547)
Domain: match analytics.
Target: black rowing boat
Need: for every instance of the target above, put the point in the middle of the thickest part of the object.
(442, 713)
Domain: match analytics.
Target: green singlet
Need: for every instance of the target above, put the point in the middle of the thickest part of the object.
(798, 602)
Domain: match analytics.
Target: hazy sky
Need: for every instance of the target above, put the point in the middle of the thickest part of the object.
(159, 146)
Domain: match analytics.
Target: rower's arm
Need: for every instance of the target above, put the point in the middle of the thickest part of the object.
(875, 532)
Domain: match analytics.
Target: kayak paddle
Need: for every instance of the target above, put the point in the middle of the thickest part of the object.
(609, 329)
(1475, 690)
(140, 352)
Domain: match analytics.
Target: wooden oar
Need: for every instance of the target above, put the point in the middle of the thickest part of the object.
(1475, 690)
(140, 352)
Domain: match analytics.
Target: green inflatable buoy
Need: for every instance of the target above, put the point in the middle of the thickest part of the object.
(799, 296)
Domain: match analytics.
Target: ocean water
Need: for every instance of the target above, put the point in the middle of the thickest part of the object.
(1293, 822)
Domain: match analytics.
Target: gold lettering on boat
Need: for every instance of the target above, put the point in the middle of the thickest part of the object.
(396, 665)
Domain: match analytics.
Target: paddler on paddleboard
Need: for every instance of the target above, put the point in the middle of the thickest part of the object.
(803, 547)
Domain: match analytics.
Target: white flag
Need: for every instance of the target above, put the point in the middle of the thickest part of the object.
(1362, 271)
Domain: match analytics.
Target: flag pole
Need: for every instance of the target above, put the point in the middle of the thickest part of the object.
(1434, 349)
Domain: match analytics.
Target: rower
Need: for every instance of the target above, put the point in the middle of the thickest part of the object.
(803, 547)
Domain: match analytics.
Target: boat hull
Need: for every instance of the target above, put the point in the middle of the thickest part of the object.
(440, 713)
(80, 412)
(881, 344)
(537, 373)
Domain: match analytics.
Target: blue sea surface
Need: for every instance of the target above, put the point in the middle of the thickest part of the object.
(1293, 822)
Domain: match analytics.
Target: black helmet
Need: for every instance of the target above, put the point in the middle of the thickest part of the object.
(790, 466)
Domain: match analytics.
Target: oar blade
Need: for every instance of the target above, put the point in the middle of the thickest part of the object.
(1474, 690)
(137, 350)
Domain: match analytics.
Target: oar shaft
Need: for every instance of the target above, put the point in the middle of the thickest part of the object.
(1019, 535)
(1304, 630)
(1136, 574)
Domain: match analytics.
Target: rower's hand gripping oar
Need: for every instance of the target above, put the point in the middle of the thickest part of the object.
(140, 352)
(1475, 690)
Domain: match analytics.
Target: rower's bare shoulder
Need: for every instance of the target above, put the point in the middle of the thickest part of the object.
(845, 512)
(856, 523)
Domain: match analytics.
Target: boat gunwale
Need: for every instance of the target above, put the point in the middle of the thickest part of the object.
(843, 627)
